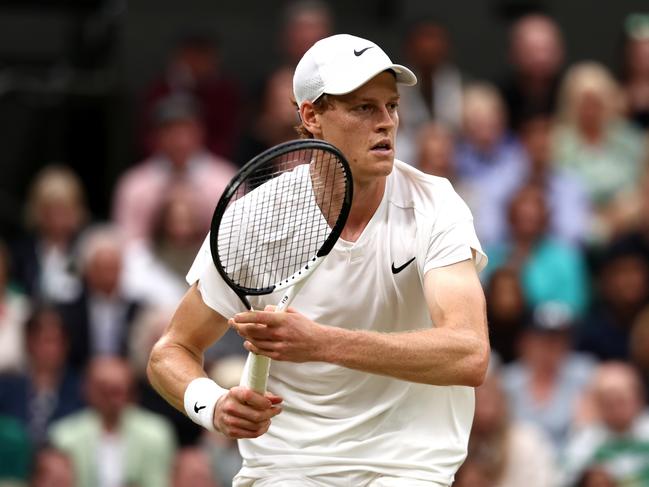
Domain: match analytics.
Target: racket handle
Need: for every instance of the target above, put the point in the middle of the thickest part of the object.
(257, 367)
(257, 376)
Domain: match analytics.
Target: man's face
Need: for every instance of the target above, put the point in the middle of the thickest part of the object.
(363, 125)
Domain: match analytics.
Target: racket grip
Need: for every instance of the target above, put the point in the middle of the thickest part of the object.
(257, 376)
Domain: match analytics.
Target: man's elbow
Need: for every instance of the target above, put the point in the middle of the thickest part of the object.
(155, 357)
(478, 363)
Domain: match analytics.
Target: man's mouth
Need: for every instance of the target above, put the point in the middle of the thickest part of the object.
(382, 146)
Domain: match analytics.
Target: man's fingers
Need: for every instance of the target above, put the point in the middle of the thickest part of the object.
(248, 397)
(269, 318)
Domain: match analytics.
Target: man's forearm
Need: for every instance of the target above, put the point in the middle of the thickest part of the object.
(171, 368)
(435, 356)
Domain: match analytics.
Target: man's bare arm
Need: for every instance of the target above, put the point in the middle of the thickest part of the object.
(177, 359)
(454, 352)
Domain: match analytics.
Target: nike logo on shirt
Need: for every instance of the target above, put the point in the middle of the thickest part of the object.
(197, 409)
(396, 270)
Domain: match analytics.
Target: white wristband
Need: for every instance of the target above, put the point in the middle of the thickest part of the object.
(200, 399)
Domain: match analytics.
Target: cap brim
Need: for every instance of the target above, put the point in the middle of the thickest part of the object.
(404, 76)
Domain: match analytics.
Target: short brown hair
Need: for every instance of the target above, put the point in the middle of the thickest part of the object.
(322, 104)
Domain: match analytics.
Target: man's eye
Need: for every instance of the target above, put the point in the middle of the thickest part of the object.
(366, 107)
(393, 106)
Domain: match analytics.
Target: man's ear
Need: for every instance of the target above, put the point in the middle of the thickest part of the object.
(310, 119)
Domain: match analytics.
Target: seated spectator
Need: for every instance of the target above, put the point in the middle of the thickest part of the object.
(435, 151)
(114, 442)
(546, 383)
(487, 157)
(594, 142)
(275, 118)
(180, 155)
(15, 452)
(147, 329)
(550, 270)
(99, 321)
(635, 77)
(536, 54)
(506, 312)
(304, 22)
(616, 440)
(438, 93)
(504, 452)
(48, 389)
(622, 292)
(568, 201)
(195, 68)
(14, 310)
(52, 468)
(43, 262)
(154, 271)
(192, 469)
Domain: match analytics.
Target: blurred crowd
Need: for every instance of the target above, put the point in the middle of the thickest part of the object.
(552, 159)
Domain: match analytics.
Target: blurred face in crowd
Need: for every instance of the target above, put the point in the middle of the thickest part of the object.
(109, 387)
(490, 407)
(625, 282)
(484, 118)
(193, 469)
(544, 351)
(528, 214)
(179, 140)
(428, 46)
(304, 29)
(198, 62)
(363, 125)
(536, 138)
(637, 58)
(180, 223)
(590, 112)
(436, 151)
(536, 47)
(104, 268)
(505, 299)
(618, 396)
(47, 344)
(52, 469)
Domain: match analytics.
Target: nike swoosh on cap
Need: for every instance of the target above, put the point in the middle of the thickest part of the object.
(358, 53)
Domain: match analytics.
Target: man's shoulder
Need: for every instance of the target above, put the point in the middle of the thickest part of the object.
(412, 188)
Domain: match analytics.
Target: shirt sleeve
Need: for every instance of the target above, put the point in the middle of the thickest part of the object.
(214, 290)
(453, 237)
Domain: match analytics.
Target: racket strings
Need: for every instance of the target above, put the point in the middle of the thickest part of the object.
(280, 216)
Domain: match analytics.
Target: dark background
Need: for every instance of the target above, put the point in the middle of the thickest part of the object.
(71, 71)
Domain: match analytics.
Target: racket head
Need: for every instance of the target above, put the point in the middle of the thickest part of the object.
(257, 197)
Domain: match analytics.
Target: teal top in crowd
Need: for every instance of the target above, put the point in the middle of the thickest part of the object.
(607, 168)
(553, 272)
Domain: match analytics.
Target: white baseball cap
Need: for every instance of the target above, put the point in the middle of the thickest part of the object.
(339, 64)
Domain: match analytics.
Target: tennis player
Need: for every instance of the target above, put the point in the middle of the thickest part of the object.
(374, 366)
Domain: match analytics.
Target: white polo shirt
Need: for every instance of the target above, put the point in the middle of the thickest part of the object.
(336, 419)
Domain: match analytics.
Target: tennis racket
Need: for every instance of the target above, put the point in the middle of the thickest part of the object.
(275, 223)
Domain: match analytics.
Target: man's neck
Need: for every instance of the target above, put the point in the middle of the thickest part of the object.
(367, 198)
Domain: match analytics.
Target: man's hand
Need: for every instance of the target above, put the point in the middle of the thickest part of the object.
(288, 335)
(244, 413)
